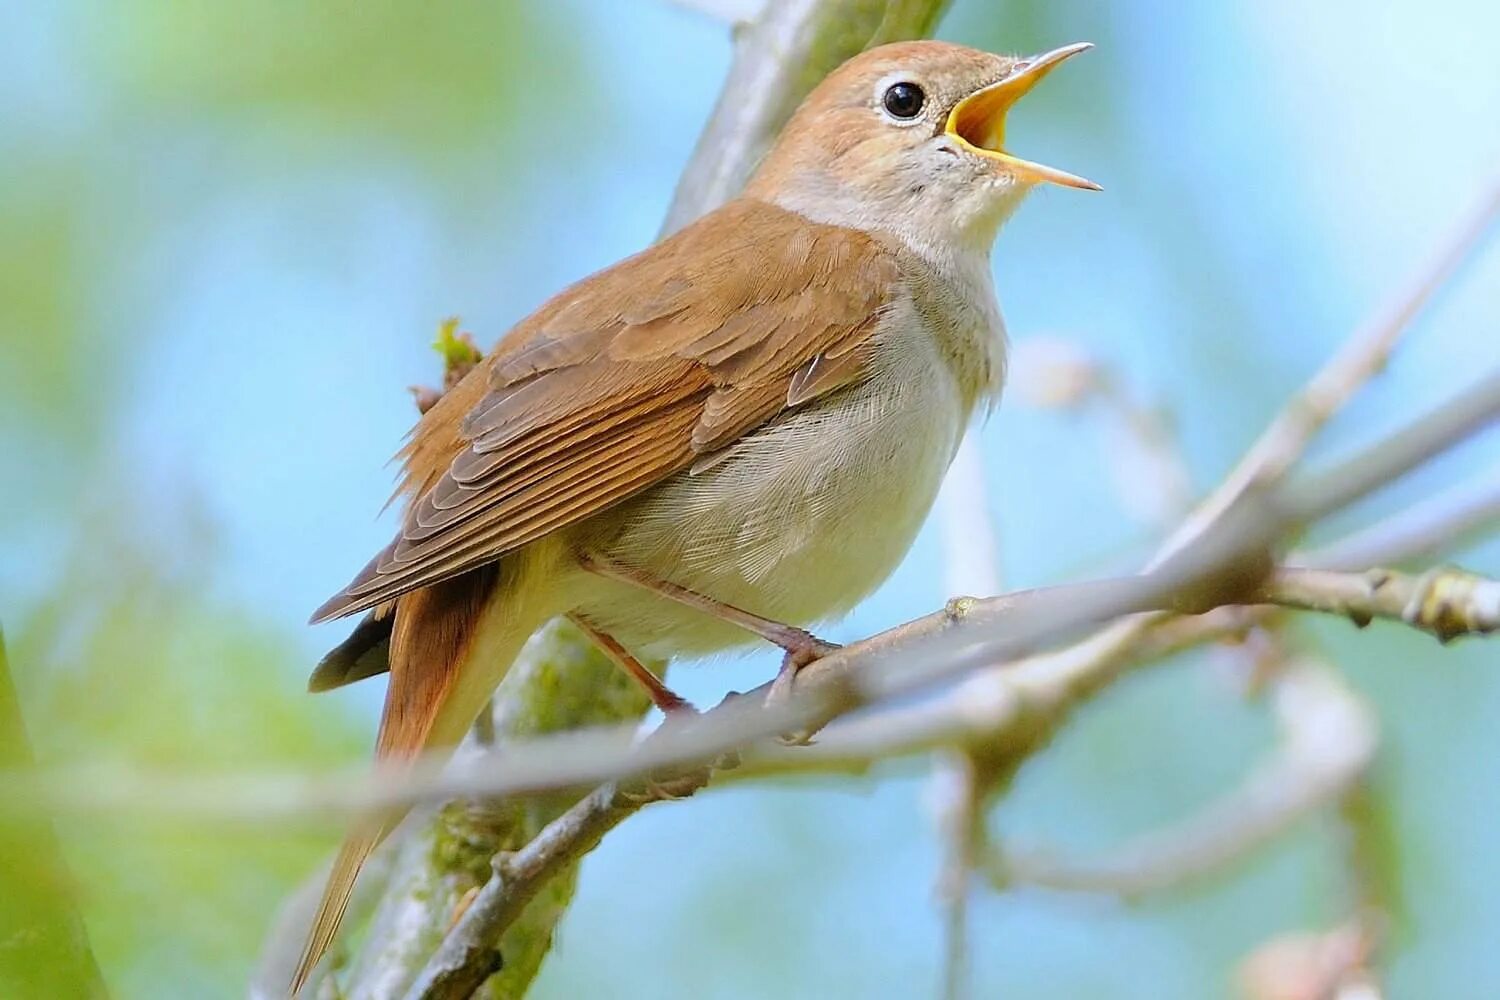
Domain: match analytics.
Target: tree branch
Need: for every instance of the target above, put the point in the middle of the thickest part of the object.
(778, 59)
(1011, 695)
(1360, 358)
(1442, 523)
(1328, 739)
(909, 659)
(560, 682)
(1446, 603)
(467, 953)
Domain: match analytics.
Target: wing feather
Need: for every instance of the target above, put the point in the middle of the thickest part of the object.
(626, 378)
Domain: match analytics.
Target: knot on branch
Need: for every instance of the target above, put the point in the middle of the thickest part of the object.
(1449, 602)
(958, 608)
(667, 786)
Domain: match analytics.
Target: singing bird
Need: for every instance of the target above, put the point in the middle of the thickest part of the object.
(730, 435)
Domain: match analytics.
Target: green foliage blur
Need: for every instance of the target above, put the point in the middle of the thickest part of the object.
(122, 651)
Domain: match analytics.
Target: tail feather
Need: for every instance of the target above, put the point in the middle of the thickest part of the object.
(433, 697)
(365, 653)
(352, 854)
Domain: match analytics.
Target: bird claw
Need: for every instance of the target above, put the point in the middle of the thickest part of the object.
(809, 651)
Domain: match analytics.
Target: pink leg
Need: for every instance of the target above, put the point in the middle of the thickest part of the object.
(661, 696)
(801, 646)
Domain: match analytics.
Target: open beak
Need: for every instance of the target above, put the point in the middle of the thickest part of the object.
(978, 121)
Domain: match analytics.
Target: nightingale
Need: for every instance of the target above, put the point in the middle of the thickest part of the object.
(728, 436)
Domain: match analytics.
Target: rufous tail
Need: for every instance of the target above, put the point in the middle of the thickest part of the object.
(435, 692)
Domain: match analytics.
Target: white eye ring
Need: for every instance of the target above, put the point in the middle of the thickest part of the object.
(883, 99)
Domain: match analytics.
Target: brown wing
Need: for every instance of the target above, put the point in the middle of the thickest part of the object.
(630, 376)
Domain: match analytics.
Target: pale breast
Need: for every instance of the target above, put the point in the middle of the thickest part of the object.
(800, 520)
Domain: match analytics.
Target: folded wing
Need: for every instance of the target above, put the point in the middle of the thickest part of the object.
(626, 378)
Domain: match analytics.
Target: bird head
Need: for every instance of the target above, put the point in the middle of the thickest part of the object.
(909, 138)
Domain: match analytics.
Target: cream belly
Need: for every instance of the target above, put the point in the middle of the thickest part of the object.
(797, 523)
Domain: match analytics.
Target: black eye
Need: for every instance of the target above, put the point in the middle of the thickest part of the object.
(904, 100)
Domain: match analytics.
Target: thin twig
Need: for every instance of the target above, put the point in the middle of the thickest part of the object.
(900, 661)
(959, 791)
(1443, 523)
(1445, 603)
(1360, 358)
(1467, 414)
(1328, 738)
(1040, 687)
(467, 955)
(986, 704)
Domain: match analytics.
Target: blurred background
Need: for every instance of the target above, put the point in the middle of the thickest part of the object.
(228, 233)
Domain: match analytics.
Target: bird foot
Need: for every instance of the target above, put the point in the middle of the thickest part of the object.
(808, 650)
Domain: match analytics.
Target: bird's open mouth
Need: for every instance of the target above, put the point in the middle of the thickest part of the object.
(978, 121)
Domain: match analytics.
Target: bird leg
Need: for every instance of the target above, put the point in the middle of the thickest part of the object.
(801, 647)
(661, 696)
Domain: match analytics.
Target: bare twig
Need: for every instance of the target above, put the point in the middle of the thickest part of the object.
(1357, 361)
(986, 704)
(1005, 704)
(1143, 453)
(468, 955)
(1328, 738)
(904, 660)
(1442, 523)
(1444, 602)
(961, 782)
(1470, 412)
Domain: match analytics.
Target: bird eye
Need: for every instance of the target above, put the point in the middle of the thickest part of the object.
(904, 100)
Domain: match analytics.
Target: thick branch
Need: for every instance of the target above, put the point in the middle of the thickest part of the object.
(1036, 696)
(777, 60)
(467, 953)
(908, 659)
(560, 682)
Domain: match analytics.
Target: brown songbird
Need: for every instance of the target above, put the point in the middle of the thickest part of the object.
(730, 435)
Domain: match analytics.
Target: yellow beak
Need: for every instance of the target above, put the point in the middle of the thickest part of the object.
(978, 121)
